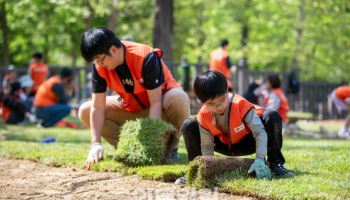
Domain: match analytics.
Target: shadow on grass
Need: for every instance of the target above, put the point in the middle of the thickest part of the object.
(314, 148)
(38, 138)
(302, 173)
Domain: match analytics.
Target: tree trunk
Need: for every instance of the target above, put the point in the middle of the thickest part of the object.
(46, 48)
(5, 33)
(163, 29)
(88, 19)
(299, 29)
(245, 34)
(112, 20)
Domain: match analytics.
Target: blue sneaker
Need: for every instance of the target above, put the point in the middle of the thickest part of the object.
(174, 155)
(279, 171)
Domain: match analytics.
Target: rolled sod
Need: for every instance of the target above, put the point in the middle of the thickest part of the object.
(203, 169)
(145, 142)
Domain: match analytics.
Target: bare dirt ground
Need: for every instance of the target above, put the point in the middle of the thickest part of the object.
(23, 179)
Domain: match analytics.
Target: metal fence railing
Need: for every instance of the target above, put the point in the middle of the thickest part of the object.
(312, 96)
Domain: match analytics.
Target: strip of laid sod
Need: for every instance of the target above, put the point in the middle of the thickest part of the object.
(322, 166)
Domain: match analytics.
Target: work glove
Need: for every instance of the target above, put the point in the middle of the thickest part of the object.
(95, 155)
(261, 170)
(31, 118)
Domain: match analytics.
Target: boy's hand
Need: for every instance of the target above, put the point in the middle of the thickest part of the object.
(261, 170)
(95, 155)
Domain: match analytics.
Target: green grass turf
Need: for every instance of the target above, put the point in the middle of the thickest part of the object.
(322, 166)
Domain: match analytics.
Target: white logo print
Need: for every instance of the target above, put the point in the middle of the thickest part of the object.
(239, 128)
(127, 82)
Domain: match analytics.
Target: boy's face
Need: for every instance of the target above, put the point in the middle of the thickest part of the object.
(111, 61)
(36, 60)
(218, 104)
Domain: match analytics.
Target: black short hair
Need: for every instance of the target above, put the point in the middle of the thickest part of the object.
(224, 42)
(209, 85)
(97, 41)
(14, 87)
(66, 73)
(274, 81)
(38, 55)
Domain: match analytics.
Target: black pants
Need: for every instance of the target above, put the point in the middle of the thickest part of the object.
(273, 126)
(16, 117)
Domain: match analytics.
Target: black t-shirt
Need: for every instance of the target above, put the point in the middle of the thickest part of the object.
(152, 74)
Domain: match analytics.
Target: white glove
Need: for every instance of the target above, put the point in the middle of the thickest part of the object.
(344, 133)
(95, 154)
(32, 118)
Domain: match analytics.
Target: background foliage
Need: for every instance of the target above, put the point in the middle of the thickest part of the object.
(312, 36)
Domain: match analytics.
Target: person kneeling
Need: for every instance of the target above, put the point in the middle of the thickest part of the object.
(51, 100)
(229, 124)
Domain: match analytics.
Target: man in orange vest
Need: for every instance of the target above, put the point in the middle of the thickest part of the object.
(230, 125)
(38, 71)
(220, 61)
(276, 99)
(51, 100)
(341, 99)
(142, 82)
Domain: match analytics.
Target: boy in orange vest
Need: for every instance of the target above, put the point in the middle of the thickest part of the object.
(51, 100)
(341, 99)
(142, 82)
(9, 78)
(38, 71)
(229, 124)
(277, 100)
(220, 61)
(15, 111)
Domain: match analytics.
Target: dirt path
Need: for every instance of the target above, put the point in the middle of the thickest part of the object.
(22, 179)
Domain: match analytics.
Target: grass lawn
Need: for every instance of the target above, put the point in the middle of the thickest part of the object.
(322, 166)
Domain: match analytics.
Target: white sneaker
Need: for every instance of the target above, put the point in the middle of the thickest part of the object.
(180, 181)
(343, 133)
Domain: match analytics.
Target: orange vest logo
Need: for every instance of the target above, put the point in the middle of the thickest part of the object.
(128, 81)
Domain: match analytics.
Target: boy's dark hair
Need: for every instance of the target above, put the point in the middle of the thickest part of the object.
(38, 55)
(14, 87)
(97, 41)
(66, 73)
(223, 42)
(274, 81)
(209, 85)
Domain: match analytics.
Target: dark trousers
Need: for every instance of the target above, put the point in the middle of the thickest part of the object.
(273, 126)
(52, 114)
(16, 117)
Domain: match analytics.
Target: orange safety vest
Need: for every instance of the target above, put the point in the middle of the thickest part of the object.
(45, 96)
(38, 72)
(284, 107)
(134, 55)
(239, 107)
(342, 92)
(5, 112)
(218, 62)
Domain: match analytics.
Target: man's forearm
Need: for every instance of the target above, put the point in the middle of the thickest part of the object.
(155, 111)
(96, 124)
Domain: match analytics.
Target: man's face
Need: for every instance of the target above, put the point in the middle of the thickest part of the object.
(218, 104)
(109, 61)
